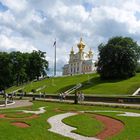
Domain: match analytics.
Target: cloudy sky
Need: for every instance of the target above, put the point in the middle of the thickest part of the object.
(27, 25)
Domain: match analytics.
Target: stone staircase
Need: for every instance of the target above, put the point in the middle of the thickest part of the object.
(72, 89)
(40, 88)
(137, 92)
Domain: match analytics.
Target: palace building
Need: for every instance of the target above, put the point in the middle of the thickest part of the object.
(80, 62)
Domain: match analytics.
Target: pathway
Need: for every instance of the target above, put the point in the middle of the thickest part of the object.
(18, 103)
(57, 126)
(112, 127)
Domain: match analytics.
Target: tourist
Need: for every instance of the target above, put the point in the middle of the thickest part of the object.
(15, 94)
(82, 97)
(33, 98)
(60, 97)
(63, 96)
(44, 95)
(79, 96)
(3, 93)
(21, 95)
(40, 94)
(11, 97)
(76, 98)
(6, 95)
(25, 93)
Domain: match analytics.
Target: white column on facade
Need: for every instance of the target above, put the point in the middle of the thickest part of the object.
(75, 67)
(80, 67)
(69, 68)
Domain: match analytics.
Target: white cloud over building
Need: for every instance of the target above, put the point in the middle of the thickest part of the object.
(26, 25)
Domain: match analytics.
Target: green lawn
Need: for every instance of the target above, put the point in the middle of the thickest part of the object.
(17, 115)
(92, 84)
(85, 123)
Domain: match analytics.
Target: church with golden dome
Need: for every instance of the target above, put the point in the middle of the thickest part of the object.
(80, 62)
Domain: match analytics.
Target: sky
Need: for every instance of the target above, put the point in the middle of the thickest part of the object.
(27, 25)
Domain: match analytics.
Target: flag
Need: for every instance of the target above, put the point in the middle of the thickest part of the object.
(54, 44)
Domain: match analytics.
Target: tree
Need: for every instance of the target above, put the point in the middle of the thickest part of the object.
(37, 65)
(19, 64)
(18, 68)
(5, 71)
(118, 58)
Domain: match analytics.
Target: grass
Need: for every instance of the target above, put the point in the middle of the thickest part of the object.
(131, 130)
(86, 124)
(38, 129)
(54, 85)
(92, 84)
(17, 115)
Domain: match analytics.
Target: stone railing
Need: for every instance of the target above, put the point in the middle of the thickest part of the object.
(73, 89)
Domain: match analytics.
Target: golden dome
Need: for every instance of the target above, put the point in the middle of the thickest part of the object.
(81, 45)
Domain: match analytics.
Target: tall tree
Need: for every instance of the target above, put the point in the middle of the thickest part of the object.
(37, 65)
(118, 58)
(19, 64)
(17, 67)
(6, 78)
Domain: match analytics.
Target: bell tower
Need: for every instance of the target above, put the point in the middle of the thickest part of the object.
(90, 54)
(71, 55)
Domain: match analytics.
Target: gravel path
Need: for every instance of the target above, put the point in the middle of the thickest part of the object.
(57, 126)
(112, 127)
(40, 111)
(18, 103)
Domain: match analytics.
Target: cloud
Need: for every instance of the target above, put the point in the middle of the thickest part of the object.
(15, 44)
(15, 5)
(32, 24)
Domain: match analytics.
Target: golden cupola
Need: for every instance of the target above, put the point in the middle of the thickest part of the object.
(81, 45)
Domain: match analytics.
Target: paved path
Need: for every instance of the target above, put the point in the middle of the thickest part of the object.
(57, 126)
(95, 103)
(18, 103)
(40, 111)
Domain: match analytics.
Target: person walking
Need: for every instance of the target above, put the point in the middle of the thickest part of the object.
(60, 97)
(82, 96)
(40, 94)
(44, 95)
(6, 96)
(76, 98)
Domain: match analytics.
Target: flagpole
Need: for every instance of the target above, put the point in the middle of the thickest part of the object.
(55, 58)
